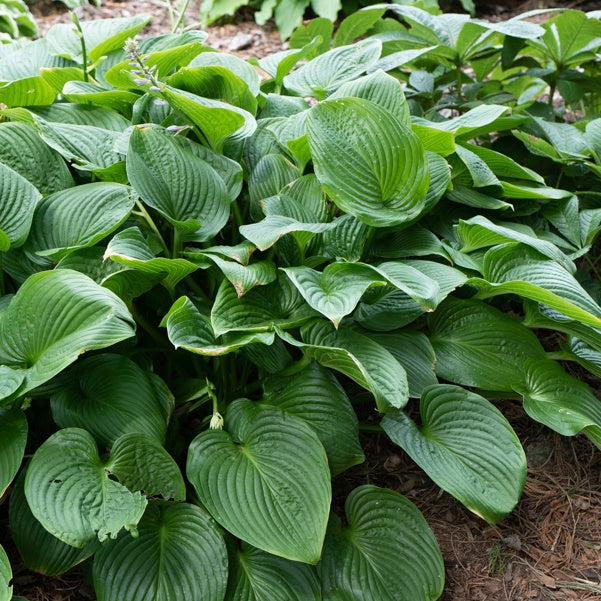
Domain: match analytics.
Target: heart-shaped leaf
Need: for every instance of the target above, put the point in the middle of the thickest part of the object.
(110, 395)
(265, 479)
(188, 328)
(471, 342)
(13, 426)
(78, 217)
(178, 554)
(53, 318)
(467, 447)
(382, 175)
(255, 575)
(41, 551)
(69, 491)
(315, 396)
(386, 553)
(186, 190)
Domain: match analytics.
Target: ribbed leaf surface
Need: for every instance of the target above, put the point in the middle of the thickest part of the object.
(182, 187)
(315, 396)
(69, 491)
(478, 345)
(41, 551)
(359, 358)
(245, 277)
(386, 553)
(18, 199)
(22, 149)
(110, 395)
(368, 162)
(560, 401)
(258, 576)
(265, 479)
(6, 574)
(188, 328)
(78, 217)
(179, 554)
(13, 426)
(467, 447)
(53, 318)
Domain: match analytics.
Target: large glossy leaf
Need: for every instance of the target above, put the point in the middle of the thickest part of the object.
(265, 479)
(315, 396)
(41, 551)
(182, 187)
(358, 357)
(13, 426)
(387, 552)
(517, 269)
(18, 199)
(258, 576)
(22, 149)
(260, 309)
(368, 162)
(336, 291)
(128, 247)
(69, 491)
(179, 554)
(6, 574)
(235, 64)
(110, 395)
(478, 345)
(78, 217)
(329, 71)
(245, 277)
(189, 329)
(466, 446)
(53, 318)
(561, 401)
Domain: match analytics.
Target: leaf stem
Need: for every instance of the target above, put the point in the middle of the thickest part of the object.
(152, 225)
(181, 16)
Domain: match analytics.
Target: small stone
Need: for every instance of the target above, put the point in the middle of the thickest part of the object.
(240, 42)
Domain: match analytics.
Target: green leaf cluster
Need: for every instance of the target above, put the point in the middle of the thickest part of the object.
(208, 273)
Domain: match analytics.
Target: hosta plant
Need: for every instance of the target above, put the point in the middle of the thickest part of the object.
(212, 282)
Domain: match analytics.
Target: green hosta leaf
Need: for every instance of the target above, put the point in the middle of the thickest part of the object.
(236, 65)
(517, 269)
(78, 217)
(434, 140)
(327, 72)
(356, 24)
(53, 318)
(57, 77)
(129, 248)
(86, 93)
(245, 277)
(13, 426)
(483, 116)
(188, 328)
(388, 310)
(265, 479)
(560, 401)
(588, 357)
(345, 239)
(272, 173)
(10, 379)
(30, 91)
(83, 114)
(480, 172)
(260, 309)
(64, 474)
(6, 574)
(18, 199)
(382, 176)
(307, 32)
(186, 190)
(399, 59)
(110, 395)
(359, 358)
(477, 345)
(336, 291)
(216, 120)
(504, 166)
(381, 88)
(22, 149)
(141, 463)
(179, 554)
(255, 575)
(467, 447)
(415, 353)
(479, 232)
(315, 396)
(241, 253)
(41, 551)
(386, 553)
(28, 60)
(279, 64)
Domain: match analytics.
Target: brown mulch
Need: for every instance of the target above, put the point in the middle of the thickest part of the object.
(549, 548)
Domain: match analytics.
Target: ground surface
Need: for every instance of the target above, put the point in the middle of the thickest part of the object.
(548, 549)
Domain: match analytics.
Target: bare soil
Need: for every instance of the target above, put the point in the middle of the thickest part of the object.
(549, 548)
